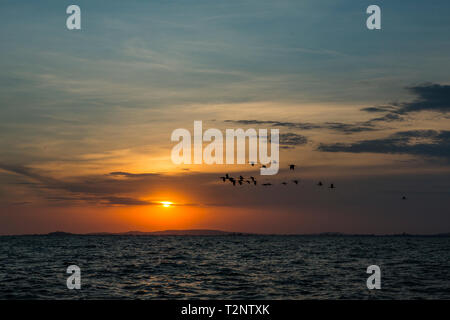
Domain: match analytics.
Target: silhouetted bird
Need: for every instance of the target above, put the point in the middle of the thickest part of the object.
(254, 182)
(227, 176)
(248, 181)
(241, 178)
(291, 166)
(295, 181)
(240, 182)
(253, 178)
(223, 179)
(233, 182)
(320, 183)
(332, 186)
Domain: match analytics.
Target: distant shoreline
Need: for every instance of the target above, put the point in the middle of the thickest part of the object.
(212, 233)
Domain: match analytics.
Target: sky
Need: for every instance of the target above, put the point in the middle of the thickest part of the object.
(86, 115)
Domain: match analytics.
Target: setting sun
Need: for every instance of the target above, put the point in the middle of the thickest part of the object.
(166, 204)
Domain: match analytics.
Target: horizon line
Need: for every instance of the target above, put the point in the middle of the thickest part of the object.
(216, 232)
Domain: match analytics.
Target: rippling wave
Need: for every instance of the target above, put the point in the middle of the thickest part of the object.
(224, 267)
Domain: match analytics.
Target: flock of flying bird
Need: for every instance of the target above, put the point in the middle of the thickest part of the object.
(251, 180)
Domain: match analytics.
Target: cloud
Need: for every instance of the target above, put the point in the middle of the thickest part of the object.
(293, 125)
(386, 118)
(434, 97)
(349, 128)
(379, 109)
(429, 97)
(103, 190)
(133, 175)
(126, 201)
(427, 143)
(290, 140)
(346, 128)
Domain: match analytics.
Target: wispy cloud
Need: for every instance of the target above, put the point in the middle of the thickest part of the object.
(426, 143)
(336, 126)
(98, 189)
(290, 140)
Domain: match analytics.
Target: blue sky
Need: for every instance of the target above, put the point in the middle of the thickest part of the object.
(321, 49)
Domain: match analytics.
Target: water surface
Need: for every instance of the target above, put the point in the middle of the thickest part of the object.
(224, 267)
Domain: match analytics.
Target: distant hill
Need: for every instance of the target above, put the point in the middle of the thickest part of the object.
(193, 232)
(443, 234)
(59, 233)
